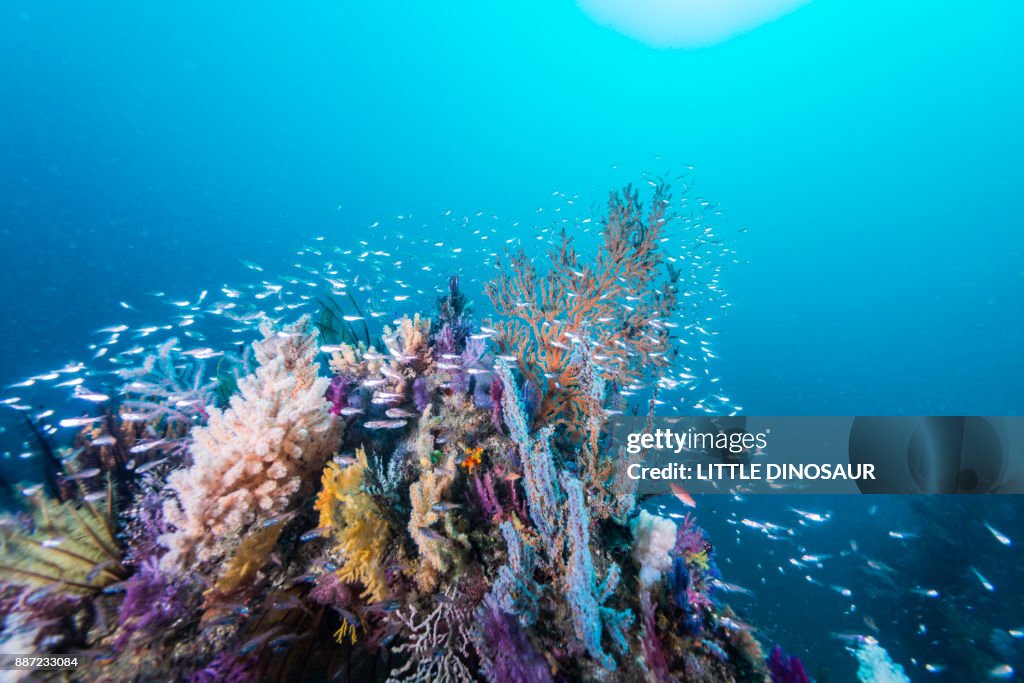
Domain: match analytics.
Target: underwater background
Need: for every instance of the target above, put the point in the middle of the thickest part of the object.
(861, 161)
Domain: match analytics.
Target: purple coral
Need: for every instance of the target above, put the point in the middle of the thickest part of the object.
(453, 317)
(445, 342)
(151, 603)
(496, 389)
(145, 528)
(332, 592)
(487, 497)
(506, 653)
(786, 669)
(227, 668)
(420, 394)
(337, 393)
(689, 537)
(654, 656)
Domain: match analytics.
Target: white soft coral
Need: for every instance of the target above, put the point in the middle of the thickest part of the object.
(654, 538)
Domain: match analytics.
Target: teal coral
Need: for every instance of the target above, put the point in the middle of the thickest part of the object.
(586, 597)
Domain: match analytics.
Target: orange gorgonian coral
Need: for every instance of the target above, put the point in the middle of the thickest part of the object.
(615, 305)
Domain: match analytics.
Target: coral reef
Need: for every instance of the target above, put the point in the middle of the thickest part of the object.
(437, 509)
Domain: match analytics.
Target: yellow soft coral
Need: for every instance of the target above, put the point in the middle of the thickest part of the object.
(700, 559)
(251, 555)
(357, 525)
(346, 630)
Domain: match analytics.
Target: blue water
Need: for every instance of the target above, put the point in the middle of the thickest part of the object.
(871, 150)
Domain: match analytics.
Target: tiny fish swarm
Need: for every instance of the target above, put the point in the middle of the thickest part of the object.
(432, 511)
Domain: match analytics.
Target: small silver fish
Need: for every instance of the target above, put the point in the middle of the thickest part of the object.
(1002, 671)
(383, 606)
(446, 506)
(385, 424)
(85, 474)
(997, 535)
(142, 469)
(144, 446)
(91, 576)
(348, 411)
(399, 413)
(984, 582)
(79, 421)
(92, 396)
(105, 440)
(389, 373)
(319, 532)
(731, 587)
(432, 535)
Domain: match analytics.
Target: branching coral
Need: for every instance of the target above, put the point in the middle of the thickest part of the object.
(437, 552)
(249, 462)
(586, 597)
(515, 590)
(437, 644)
(539, 478)
(610, 492)
(408, 345)
(654, 656)
(358, 527)
(614, 301)
(506, 653)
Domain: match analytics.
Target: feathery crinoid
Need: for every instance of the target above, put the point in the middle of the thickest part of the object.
(69, 544)
(616, 302)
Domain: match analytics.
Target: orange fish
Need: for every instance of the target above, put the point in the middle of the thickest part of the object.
(683, 495)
